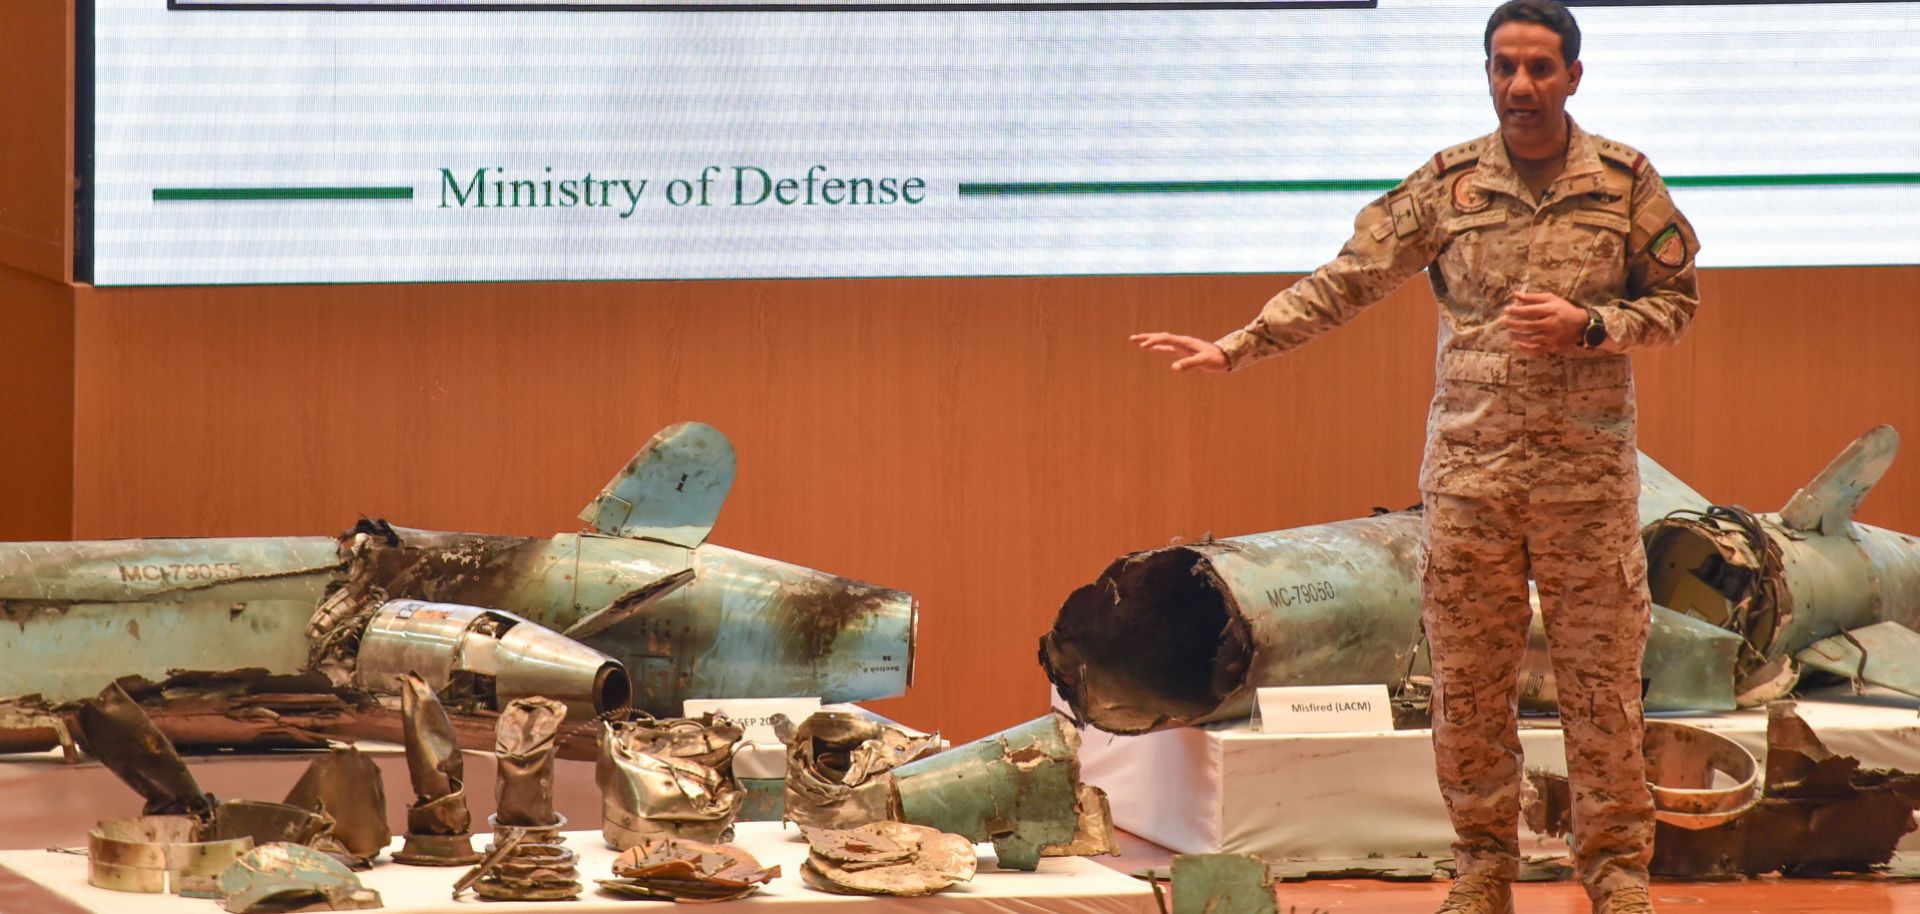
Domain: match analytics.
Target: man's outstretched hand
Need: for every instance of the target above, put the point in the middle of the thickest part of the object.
(1542, 323)
(1188, 352)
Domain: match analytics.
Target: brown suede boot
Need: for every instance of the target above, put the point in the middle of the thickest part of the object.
(1478, 893)
(1629, 900)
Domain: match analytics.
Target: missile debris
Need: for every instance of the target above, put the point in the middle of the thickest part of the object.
(838, 767)
(526, 861)
(640, 584)
(438, 822)
(668, 778)
(345, 785)
(289, 877)
(154, 854)
(676, 869)
(886, 858)
(487, 658)
(1018, 788)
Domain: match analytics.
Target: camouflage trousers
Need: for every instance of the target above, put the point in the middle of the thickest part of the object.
(1590, 570)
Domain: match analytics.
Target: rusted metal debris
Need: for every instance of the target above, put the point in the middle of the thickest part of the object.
(886, 858)
(1223, 883)
(345, 785)
(1093, 833)
(526, 862)
(680, 870)
(1820, 813)
(114, 729)
(1817, 813)
(439, 824)
(1019, 788)
(838, 769)
(290, 877)
(671, 777)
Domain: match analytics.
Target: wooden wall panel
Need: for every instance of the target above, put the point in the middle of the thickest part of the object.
(36, 407)
(988, 444)
(36, 156)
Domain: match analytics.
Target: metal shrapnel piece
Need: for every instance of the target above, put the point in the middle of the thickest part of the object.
(839, 769)
(491, 655)
(289, 877)
(886, 858)
(438, 822)
(155, 854)
(524, 746)
(121, 735)
(681, 870)
(670, 778)
(345, 785)
(1017, 788)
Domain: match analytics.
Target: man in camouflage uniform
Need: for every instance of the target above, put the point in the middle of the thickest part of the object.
(1552, 253)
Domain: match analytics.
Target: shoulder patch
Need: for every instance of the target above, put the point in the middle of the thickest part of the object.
(1620, 154)
(1455, 156)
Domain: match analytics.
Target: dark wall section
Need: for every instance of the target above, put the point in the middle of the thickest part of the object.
(36, 407)
(36, 191)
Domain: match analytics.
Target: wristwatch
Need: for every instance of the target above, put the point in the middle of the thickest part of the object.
(1594, 335)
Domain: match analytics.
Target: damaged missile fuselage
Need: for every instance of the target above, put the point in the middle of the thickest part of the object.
(640, 585)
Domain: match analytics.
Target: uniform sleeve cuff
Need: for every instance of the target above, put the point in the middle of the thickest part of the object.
(1236, 345)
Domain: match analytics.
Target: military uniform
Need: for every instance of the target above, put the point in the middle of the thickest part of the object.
(1530, 466)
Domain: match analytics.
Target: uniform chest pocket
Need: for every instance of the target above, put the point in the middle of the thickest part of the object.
(1600, 235)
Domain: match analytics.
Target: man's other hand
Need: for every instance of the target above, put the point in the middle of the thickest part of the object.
(1188, 352)
(1542, 323)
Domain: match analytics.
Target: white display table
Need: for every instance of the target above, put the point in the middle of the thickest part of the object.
(1072, 885)
(1342, 796)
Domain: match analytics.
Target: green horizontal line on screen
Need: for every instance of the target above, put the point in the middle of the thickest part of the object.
(171, 194)
(1036, 188)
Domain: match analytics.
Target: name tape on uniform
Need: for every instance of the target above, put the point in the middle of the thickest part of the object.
(1323, 709)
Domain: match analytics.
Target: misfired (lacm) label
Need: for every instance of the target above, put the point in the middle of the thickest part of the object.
(1323, 709)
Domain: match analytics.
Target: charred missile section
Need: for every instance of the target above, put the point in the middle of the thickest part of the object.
(1806, 587)
(1186, 634)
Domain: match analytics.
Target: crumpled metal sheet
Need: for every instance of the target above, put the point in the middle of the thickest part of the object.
(517, 868)
(1093, 832)
(1820, 813)
(345, 785)
(680, 870)
(886, 858)
(524, 748)
(671, 777)
(117, 732)
(290, 877)
(837, 769)
(439, 823)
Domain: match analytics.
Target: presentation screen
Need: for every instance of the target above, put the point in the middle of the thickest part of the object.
(301, 141)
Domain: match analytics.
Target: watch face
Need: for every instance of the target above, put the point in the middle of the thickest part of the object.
(1595, 335)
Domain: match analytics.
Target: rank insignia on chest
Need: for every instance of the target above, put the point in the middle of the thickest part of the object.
(1669, 248)
(1406, 220)
(1467, 196)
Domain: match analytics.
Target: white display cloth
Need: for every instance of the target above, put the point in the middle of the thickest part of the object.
(1070, 885)
(1223, 787)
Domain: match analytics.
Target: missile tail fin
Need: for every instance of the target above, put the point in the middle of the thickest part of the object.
(671, 491)
(1826, 504)
(1883, 654)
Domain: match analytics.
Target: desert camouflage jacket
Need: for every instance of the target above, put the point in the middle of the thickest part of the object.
(1604, 235)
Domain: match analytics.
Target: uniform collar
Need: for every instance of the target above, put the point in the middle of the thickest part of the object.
(1581, 174)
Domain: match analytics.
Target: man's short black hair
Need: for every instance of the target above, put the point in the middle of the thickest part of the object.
(1540, 12)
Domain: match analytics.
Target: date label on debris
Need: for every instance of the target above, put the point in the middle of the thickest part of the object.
(1322, 709)
(755, 715)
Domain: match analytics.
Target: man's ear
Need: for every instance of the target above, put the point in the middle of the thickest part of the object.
(1573, 77)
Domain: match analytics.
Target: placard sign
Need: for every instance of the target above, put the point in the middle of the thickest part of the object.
(1323, 709)
(320, 141)
(754, 715)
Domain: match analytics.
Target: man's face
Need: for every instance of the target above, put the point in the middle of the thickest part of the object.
(1530, 85)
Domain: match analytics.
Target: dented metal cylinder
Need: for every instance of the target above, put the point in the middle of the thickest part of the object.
(486, 652)
(1018, 788)
(1186, 634)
